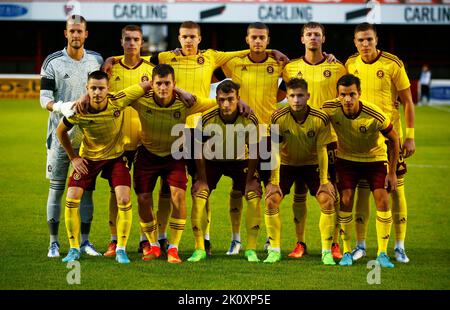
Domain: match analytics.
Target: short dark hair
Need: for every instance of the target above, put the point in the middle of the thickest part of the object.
(258, 25)
(364, 27)
(313, 25)
(98, 75)
(295, 83)
(131, 28)
(163, 70)
(349, 80)
(191, 25)
(76, 19)
(227, 87)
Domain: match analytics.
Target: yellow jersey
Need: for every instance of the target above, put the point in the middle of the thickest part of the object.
(360, 138)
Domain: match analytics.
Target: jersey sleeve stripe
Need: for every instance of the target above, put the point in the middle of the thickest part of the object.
(320, 115)
(276, 115)
(393, 58)
(374, 115)
(380, 115)
(50, 58)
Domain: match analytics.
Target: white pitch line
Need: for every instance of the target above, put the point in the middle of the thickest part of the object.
(440, 108)
(428, 166)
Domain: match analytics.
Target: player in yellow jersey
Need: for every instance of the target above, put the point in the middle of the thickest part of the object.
(383, 80)
(101, 151)
(321, 76)
(303, 133)
(131, 69)
(236, 158)
(257, 73)
(362, 128)
(160, 111)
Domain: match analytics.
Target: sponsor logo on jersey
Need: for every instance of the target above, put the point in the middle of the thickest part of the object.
(117, 78)
(270, 69)
(49, 168)
(244, 68)
(300, 75)
(66, 76)
(173, 60)
(201, 60)
(327, 73)
(76, 176)
(177, 114)
(380, 73)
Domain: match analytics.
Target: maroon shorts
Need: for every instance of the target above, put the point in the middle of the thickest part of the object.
(148, 167)
(236, 170)
(350, 172)
(308, 175)
(114, 170)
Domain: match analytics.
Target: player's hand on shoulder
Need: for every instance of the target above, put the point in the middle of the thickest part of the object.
(186, 97)
(79, 165)
(330, 57)
(82, 104)
(68, 109)
(108, 64)
(281, 58)
(244, 109)
(177, 51)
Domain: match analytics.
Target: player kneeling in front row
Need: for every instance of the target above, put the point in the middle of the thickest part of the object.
(301, 134)
(361, 154)
(230, 149)
(101, 151)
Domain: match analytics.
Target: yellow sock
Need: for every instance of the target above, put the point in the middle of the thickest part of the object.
(253, 219)
(345, 220)
(383, 224)
(164, 211)
(73, 221)
(235, 211)
(362, 209)
(198, 218)
(399, 211)
(273, 226)
(300, 212)
(208, 219)
(337, 205)
(176, 230)
(124, 220)
(327, 224)
(149, 229)
(112, 213)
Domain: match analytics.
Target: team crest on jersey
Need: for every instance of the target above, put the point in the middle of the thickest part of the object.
(201, 60)
(177, 114)
(116, 113)
(300, 75)
(144, 78)
(327, 73)
(362, 129)
(49, 168)
(270, 69)
(311, 134)
(380, 73)
(76, 176)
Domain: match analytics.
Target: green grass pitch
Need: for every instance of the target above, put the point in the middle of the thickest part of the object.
(24, 233)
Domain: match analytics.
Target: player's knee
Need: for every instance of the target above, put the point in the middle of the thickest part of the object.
(236, 194)
(326, 201)
(346, 202)
(178, 196)
(273, 201)
(123, 200)
(145, 200)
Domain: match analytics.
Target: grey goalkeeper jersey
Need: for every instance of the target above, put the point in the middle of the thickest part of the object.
(64, 79)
